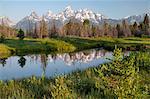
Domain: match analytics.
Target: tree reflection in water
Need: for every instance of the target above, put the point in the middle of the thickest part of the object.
(3, 61)
(22, 61)
(44, 59)
(69, 59)
(50, 64)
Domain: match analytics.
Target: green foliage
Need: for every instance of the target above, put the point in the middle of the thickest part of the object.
(36, 46)
(117, 54)
(86, 22)
(124, 77)
(21, 34)
(5, 51)
(59, 88)
(106, 42)
(2, 38)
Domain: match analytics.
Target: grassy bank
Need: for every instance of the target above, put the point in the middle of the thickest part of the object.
(125, 77)
(5, 51)
(70, 44)
(35, 46)
(108, 43)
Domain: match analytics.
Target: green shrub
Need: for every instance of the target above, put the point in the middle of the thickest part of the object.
(21, 34)
(2, 38)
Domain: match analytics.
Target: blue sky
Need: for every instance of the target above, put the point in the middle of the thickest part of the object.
(17, 9)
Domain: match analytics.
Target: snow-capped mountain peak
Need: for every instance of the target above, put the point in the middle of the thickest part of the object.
(6, 21)
(33, 15)
(68, 12)
(83, 14)
(49, 13)
(68, 8)
(61, 18)
(134, 18)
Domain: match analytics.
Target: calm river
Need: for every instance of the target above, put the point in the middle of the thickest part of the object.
(17, 67)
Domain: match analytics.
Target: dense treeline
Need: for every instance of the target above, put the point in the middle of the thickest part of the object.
(84, 29)
(7, 31)
(120, 30)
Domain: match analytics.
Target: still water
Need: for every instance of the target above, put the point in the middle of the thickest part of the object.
(17, 67)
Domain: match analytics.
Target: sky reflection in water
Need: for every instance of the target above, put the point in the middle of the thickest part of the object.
(17, 67)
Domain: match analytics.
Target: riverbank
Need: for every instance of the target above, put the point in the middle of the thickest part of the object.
(124, 77)
(70, 44)
(28, 46)
(108, 43)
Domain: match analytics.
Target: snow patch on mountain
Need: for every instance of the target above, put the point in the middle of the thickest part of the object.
(6, 21)
(61, 18)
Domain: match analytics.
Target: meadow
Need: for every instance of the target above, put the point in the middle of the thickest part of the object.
(69, 44)
(31, 46)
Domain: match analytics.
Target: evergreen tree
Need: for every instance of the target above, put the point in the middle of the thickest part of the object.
(118, 27)
(53, 32)
(2, 38)
(146, 20)
(86, 28)
(68, 28)
(135, 30)
(135, 26)
(114, 32)
(125, 29)
(86, 22)
(43, 29)
(145, 24)
(93, 30)
(34, 35)
(106, 28)
(21, 34)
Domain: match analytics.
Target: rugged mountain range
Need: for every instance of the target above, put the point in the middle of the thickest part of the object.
(61, 18)
(64, 17)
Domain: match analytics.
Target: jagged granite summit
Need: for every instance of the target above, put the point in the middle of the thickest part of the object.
(59, 19)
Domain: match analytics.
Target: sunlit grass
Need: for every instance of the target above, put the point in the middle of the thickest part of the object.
(70, 44)
(108, 43)
(36, 46)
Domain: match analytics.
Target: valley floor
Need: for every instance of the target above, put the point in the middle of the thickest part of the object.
(69, 44)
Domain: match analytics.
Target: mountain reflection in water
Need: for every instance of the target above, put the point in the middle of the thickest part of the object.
(16, 67)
